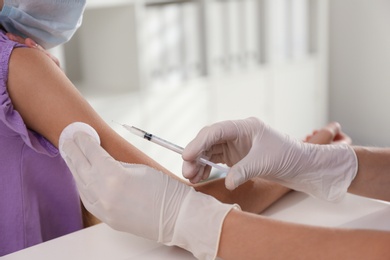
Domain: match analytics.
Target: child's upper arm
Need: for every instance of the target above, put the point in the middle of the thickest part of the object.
(48, 102)
(42, 94)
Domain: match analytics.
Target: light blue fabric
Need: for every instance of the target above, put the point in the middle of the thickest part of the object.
(48, 22)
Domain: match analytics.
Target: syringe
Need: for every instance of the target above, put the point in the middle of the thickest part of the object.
(169, 145)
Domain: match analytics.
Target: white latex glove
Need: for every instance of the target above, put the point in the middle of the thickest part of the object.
(253, 149)
(141, 200)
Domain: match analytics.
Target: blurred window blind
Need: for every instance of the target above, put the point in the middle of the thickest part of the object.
(189, 39)
(173, 42)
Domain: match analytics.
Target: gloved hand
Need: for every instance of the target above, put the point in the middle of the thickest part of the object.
(141, 200)
(253, 149)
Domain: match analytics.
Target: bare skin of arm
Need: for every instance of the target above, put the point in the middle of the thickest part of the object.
(250, 236)
(373, 178)
(48, 102)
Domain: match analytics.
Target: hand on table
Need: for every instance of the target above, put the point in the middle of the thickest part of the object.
(330, 134)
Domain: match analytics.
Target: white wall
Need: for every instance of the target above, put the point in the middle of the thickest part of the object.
(360, 69)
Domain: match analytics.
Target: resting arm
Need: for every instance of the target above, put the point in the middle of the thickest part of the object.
(248, 236)
(373, 176)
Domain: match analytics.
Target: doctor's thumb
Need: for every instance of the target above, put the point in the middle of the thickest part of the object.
(241, 172)
(234, 178)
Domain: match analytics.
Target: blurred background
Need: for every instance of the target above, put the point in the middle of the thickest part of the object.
(172, 67)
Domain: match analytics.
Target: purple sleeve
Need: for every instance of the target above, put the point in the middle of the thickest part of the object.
(11, 122)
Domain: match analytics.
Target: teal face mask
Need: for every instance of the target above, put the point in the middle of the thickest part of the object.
(48, 22)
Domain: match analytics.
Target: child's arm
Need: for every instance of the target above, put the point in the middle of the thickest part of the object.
(48, 102)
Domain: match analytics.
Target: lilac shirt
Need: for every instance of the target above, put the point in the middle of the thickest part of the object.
(38, 197)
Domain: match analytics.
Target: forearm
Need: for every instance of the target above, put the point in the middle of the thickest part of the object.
(253, 196)
(249, 236)
(373, 178)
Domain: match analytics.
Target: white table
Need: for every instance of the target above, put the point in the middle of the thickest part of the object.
(101, 242)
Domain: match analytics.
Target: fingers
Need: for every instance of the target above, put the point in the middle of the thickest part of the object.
(32, 44)
(232, 180)
(81, 171)
(330, 134)
(204, 144)
(15, 38)
(79, 146)
(342, 138)
(90, 148)
(72, 151)
(195, 171)
(191, 168)
(70, 130)
(208, 137)
(325, 135)
(334, 127)
(239, 173)
(74, 159)
(224, 142)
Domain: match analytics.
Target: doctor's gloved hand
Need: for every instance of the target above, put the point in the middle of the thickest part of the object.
(253, 149)
(141, 200)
